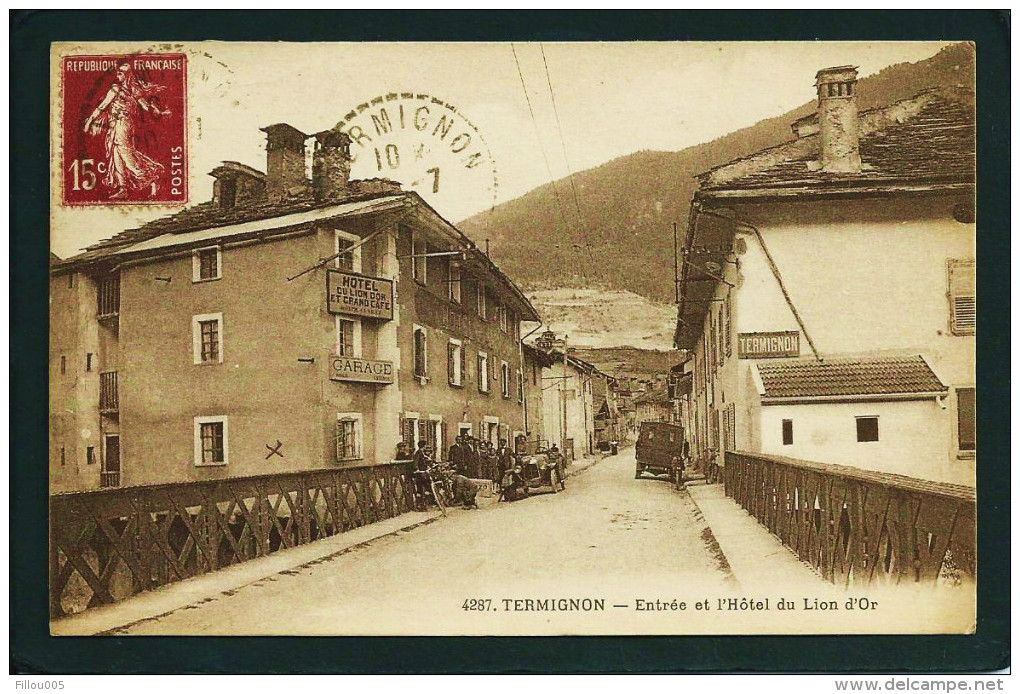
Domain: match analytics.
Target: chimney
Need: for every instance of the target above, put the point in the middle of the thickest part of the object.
(331, 164)
(837, 119)
(285, 161)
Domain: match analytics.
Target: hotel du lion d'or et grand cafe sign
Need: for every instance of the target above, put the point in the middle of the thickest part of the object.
(353, 294)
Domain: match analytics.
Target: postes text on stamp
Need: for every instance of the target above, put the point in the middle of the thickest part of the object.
(124, 126)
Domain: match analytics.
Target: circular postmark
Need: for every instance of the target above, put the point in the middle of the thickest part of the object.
(426, 144)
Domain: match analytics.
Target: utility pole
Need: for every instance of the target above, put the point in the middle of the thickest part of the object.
(563, 393)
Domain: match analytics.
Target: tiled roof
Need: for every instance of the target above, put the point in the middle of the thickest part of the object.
(208, 215)
(652, 397)
(848, 377)
(928, 139)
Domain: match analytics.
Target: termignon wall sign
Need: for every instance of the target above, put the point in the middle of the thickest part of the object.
(768, 345)
(352, 294)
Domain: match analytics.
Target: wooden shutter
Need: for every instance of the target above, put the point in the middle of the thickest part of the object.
(463, 364)
(341, 440)
(728, 308)
(962, 297)
(965, 417)
(450, 362)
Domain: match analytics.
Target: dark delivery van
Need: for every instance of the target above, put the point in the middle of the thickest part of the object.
(658, 444)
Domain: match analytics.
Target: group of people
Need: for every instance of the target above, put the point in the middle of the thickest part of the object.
(469, 459)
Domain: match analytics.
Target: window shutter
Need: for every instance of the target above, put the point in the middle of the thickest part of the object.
(962, 297)
(450, 363)
(341, 440)
(728, 307)
(463, 363)
(445, 442)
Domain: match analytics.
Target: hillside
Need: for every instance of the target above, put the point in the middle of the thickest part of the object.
(630, 203)
(629, 361)
(606, 318)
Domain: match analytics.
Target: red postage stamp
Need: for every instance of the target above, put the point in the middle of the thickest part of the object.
(124, 129)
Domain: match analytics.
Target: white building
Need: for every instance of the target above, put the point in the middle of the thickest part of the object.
(828, 294)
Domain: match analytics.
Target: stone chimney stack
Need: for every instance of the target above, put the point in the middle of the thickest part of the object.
(285, 161)
(331, 164)
(837, 119)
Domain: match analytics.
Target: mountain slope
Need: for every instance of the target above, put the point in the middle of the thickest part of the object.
(630, 203)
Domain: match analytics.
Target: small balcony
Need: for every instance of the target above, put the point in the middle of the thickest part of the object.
(109, 400)
(109, 478)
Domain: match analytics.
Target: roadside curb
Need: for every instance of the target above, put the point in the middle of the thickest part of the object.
(711, 542)
(101, 621)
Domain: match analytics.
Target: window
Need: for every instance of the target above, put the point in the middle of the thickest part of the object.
(480, 308)
(520, 385)
(207, 338)
(867, 429)
(453, 288)
(350, 260)
(515, 326)
(88, 361)
(90, 455)
(211, 440)
(419, 263)
(348, 436)
(205, 264)
(63, 364)
(421, 343)
(962, 299)
(409, 430)
(966, 419)
(63, 459)
(430, 433)
(455, 363)
(70, 281)
(504, 379)
(787, 432)
(108, 295)
(483, 372)
(501, 314)
(534, 374)
(348, 337)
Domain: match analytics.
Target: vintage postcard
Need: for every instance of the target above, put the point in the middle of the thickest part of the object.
(512, 338)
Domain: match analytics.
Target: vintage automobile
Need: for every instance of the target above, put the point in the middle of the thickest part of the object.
(659, 450)
(543, 468)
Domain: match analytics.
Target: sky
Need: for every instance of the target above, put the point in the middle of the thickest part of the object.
(611, 99)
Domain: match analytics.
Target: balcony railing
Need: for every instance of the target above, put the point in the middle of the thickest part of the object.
(109, 400)
(109, 479)
(855, 526)
(109, 544)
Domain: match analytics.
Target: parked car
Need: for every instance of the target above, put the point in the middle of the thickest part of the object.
(544, 468)
(659, 450)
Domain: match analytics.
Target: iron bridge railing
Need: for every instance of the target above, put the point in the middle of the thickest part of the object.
(855, 526)
(109, 544)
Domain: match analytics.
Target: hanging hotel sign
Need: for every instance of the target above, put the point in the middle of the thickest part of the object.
(354, 294)
(768, 345)
(357, 369)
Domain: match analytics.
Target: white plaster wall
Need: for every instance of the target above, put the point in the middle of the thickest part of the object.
(912, 437)
(867, 278)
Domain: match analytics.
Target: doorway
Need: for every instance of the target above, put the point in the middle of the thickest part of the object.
(109, 475)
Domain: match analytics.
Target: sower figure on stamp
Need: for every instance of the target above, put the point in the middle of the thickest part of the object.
(119, 114)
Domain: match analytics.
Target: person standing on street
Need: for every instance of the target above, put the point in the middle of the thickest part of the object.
(457, 457)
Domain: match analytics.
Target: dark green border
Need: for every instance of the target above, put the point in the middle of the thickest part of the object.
(33, 650)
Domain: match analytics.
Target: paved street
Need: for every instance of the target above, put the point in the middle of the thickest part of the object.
(607, 536)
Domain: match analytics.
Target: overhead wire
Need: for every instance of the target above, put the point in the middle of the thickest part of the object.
(570, 174)
(545, 156)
